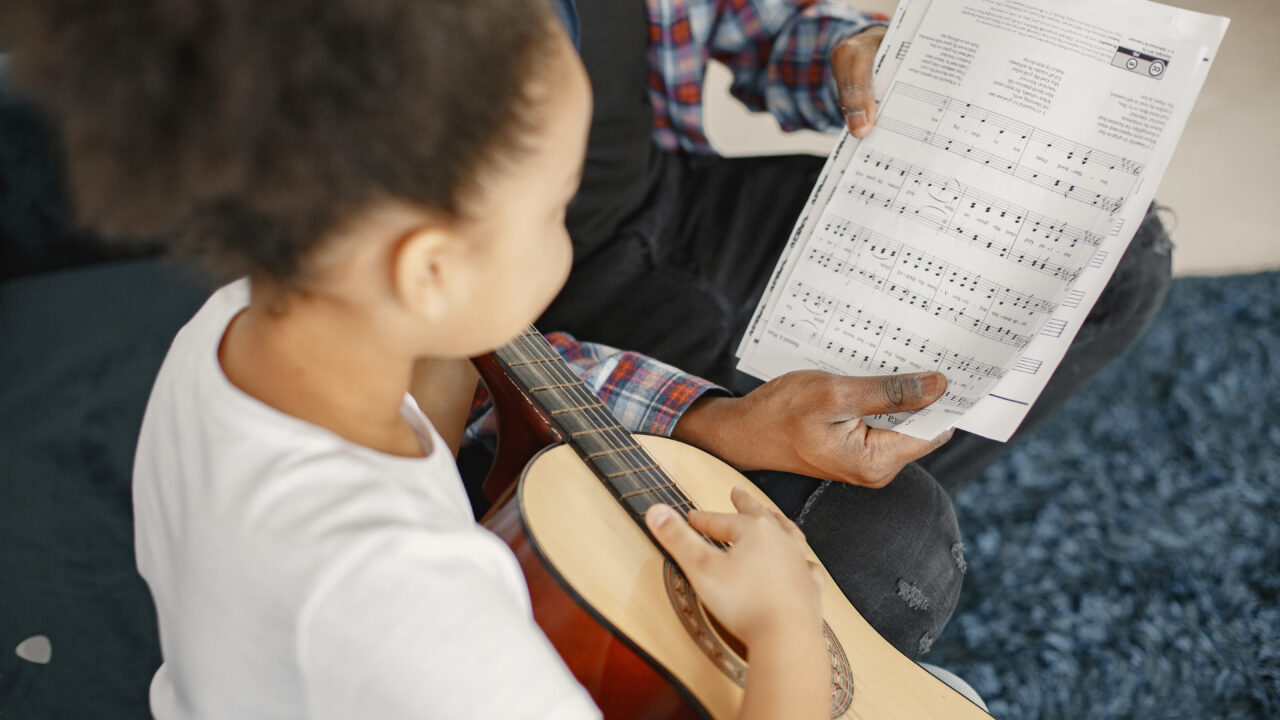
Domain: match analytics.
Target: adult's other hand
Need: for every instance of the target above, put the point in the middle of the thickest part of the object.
(851, 64)
(810, 422)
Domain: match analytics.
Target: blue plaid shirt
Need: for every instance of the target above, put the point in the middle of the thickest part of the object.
(778, 50)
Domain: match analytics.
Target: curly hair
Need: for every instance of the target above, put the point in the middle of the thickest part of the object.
(248, 130)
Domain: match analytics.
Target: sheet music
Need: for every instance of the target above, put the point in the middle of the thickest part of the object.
(1017, 146)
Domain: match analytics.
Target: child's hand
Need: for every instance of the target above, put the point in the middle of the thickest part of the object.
(764, 584)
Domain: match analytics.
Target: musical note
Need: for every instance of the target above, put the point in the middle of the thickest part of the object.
(914, 352)
(951, 238)
(986, 215)
(898, 281)
(1068, 148)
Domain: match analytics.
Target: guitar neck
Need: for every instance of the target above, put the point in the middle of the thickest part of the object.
(603, 444)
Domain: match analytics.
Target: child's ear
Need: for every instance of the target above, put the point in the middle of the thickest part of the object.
(427, 271)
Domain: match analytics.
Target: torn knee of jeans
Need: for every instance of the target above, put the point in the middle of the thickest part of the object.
(1158, 239)
(926, 642)
(912, 595)
(957, 554)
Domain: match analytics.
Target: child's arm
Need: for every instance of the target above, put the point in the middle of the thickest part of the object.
(765, 591)
(443, 390)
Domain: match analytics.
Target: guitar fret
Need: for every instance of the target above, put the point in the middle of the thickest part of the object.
(633, 471)
(580, 433)
(611, 451)
(639, 504)
(539, 361)
(622, 464)
(576, 422)
(643, 491)
(561, 411)
(613, 454)
(555, 386)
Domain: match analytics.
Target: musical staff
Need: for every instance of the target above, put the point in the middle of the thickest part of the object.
(1054, 328)
(1027, 365)
(918, 279)
(1003, 122)
(971, 231)
(999, 142)
(897, 350)
(946, 205)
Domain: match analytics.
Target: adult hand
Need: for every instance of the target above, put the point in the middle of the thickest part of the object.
(810, 422)
(851, 64)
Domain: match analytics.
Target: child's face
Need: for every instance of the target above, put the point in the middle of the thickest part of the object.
(522, 252)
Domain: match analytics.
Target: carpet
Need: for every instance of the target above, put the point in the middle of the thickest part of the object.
(1124, 560)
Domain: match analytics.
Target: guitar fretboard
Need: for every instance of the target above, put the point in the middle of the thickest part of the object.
(608, 448)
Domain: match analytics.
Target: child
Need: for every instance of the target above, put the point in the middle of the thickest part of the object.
(299, 520)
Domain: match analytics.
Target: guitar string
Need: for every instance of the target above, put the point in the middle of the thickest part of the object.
(532, 346)
(556, 375)
(653, 481)
(592, 411)
(576, 393)
(669, 492)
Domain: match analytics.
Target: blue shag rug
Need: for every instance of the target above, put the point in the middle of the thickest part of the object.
(1124, 560)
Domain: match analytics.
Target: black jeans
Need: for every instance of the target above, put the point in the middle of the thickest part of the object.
(680, 280)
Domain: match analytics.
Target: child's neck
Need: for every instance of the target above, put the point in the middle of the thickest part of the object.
(322, 361)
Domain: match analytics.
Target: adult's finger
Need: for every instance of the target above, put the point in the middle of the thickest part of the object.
(889, 451)
(851, 65)
(893, 393)
(689, 549)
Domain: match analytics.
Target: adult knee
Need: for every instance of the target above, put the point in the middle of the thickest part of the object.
(896, 553)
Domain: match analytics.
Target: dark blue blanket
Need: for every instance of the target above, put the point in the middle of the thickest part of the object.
(1124, 561)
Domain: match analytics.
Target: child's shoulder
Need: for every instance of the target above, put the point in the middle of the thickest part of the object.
(214, 453)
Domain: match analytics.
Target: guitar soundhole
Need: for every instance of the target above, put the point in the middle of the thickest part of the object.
(729, 654)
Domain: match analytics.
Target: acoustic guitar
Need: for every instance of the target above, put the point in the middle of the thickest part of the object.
(570, 487)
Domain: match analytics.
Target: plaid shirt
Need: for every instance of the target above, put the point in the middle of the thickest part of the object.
(644, 394)
(779, 52)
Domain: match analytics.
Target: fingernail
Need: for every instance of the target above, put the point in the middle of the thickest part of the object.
(660, 514)
(930, 384)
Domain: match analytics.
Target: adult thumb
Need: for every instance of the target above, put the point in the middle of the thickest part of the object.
(897, 393)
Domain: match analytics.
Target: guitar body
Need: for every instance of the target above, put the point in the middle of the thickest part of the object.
(623, 617)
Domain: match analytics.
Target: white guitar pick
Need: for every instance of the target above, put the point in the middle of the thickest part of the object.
(35, 649)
